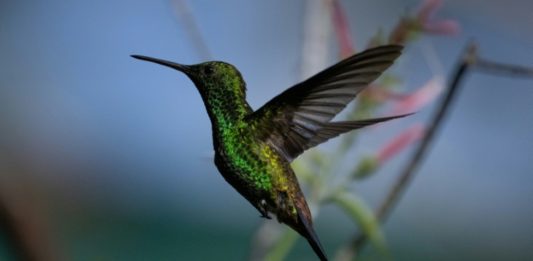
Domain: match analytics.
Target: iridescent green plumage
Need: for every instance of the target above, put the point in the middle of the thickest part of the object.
(253, 150)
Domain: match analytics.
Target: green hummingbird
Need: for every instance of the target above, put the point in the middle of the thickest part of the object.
(254, 149)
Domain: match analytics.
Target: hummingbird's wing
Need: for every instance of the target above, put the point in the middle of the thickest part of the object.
(334, 129)
(299, 118)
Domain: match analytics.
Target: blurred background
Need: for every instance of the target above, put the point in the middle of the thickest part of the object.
(110, 158)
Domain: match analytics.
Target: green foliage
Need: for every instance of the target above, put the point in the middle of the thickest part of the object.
(367, 166)
(363, 216)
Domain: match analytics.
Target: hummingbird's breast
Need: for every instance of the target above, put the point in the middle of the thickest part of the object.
(255, 169)
(238, 158)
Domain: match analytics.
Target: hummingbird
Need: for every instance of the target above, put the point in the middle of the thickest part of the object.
(254, 149)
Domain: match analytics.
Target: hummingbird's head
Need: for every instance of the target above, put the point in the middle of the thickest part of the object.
(211, 78)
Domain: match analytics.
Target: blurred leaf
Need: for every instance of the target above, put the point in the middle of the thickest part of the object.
(282, 247)
(363, 216)
(303, 172)
(367, 166)
(389, 81)
(317, 158)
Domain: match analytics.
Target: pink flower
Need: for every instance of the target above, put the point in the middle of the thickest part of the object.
(419, 98)
(410, 27)
(428, 9)
(342, 30)
(370, 164)
(400, 142)
(428, 24)
(447, 27)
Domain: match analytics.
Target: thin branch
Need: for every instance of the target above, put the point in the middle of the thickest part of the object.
(470, 60)
(183, 12)
(501, 68)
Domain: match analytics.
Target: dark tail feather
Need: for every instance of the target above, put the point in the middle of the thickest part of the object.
(317, 247)
(309, 233)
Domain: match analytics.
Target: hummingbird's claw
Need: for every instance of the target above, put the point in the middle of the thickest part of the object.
(265, 215)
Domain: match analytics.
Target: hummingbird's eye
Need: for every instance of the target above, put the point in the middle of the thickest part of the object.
(208, 70)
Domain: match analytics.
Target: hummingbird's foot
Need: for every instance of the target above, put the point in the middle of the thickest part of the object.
(265, 215)
(262, 207)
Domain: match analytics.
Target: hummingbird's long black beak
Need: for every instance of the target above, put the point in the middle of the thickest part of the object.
(180, 67)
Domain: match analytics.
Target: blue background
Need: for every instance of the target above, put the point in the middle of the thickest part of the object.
(120, 150)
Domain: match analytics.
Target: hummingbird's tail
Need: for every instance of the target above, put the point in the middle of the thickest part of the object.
(307, 231)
